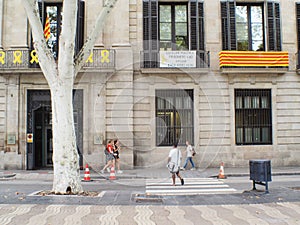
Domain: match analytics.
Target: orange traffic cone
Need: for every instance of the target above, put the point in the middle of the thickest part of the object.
(87, 176)
(112, 175)
(221, 172)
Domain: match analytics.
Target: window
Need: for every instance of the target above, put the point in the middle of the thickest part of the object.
(253, 116)
(249, 27)
(54, 12)
(174, 117)
(173, 27)
(243, 26)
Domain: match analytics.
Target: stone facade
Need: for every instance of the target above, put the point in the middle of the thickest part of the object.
(120, 102)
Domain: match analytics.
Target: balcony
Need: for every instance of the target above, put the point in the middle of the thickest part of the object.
(251, 61)
(166, 61)
(27, 60)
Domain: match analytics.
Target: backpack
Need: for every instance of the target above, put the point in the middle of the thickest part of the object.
(106, 151)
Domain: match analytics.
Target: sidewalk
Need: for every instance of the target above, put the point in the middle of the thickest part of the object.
(145, 173)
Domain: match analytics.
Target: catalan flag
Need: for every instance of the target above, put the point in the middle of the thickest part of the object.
(47, 29)
(253, 59)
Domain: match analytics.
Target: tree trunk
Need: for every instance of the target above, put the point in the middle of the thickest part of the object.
(60, 76)
(65, 155)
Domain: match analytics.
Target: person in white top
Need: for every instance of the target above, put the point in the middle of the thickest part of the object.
(175, 157)
(189, 156)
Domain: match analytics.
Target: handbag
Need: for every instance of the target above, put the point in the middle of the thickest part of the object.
(193, 152)
(173, 168)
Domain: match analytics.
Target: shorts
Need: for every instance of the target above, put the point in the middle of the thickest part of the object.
(109, 157)
(177, 172)
(116, 155)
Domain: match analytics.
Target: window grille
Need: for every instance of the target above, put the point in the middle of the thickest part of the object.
(174, 117)
(253, 116)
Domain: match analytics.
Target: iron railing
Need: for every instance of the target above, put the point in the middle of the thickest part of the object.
(253, 116)
(24, 59)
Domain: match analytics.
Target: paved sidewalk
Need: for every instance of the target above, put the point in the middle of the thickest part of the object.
(32, 214)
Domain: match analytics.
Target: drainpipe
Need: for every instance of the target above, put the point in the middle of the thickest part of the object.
(1, 21)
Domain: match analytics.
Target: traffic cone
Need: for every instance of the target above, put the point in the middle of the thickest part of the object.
(221, 172)
(87, 176)
(112, 175)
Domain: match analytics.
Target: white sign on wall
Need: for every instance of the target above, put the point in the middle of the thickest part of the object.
(177, 59)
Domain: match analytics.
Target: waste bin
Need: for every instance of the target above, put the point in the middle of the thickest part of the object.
(260, 172)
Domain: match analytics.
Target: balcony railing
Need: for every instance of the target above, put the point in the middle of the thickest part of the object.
(25, 59)
(246, 59)
(175, 59)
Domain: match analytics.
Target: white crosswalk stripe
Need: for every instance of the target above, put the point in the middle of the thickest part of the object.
(192, 186)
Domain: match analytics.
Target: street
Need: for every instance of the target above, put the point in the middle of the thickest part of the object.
(154, 201)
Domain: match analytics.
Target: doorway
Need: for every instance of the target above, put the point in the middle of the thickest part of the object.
(43, 137)
(39, 124)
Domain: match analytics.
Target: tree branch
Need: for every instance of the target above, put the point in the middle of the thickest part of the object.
(46, 59)
(67, 37)
(90, 42)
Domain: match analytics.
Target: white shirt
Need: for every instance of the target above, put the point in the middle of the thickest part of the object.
(175, 156)
(189, 151)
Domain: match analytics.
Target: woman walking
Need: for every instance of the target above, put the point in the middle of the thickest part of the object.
(189, 156)
(109, 156)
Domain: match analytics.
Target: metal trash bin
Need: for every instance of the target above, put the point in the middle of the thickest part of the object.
(260, 172)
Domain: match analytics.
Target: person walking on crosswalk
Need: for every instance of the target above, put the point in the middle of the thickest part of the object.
(174, 161)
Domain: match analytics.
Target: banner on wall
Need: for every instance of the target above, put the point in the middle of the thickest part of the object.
(177, 59)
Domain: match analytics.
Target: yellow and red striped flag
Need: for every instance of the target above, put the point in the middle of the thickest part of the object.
(47, 29)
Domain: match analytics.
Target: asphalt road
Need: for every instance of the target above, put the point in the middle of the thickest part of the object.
(132, 192)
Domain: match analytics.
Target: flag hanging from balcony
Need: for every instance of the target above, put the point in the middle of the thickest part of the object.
(253, 59)
(47, 29)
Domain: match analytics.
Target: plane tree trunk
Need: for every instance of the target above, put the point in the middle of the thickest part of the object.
(60, 75)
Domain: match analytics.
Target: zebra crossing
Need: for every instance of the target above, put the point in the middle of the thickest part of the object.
(192, 186)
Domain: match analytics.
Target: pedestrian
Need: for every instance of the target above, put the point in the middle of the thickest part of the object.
(174, 160)
(109, 156)
(189, 156)
(117, 155)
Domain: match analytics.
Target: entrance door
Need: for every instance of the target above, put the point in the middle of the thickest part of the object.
(39, 123)
(42, 137)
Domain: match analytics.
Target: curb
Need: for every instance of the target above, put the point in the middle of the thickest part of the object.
(8, 176)
(248, 174)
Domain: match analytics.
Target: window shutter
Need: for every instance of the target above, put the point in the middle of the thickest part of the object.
(80, 26)
(197, 31)
(298, 23)
(201, 25)
(150, 33)
(41, 11)
(274, 29)
(194, 25)
(228, 25)
(197, 25)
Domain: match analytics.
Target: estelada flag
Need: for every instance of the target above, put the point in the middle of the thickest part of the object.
(47, 29)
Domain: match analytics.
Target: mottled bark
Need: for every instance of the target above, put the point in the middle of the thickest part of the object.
(60, 76)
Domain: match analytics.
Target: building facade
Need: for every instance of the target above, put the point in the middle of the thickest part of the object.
(221, 74)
